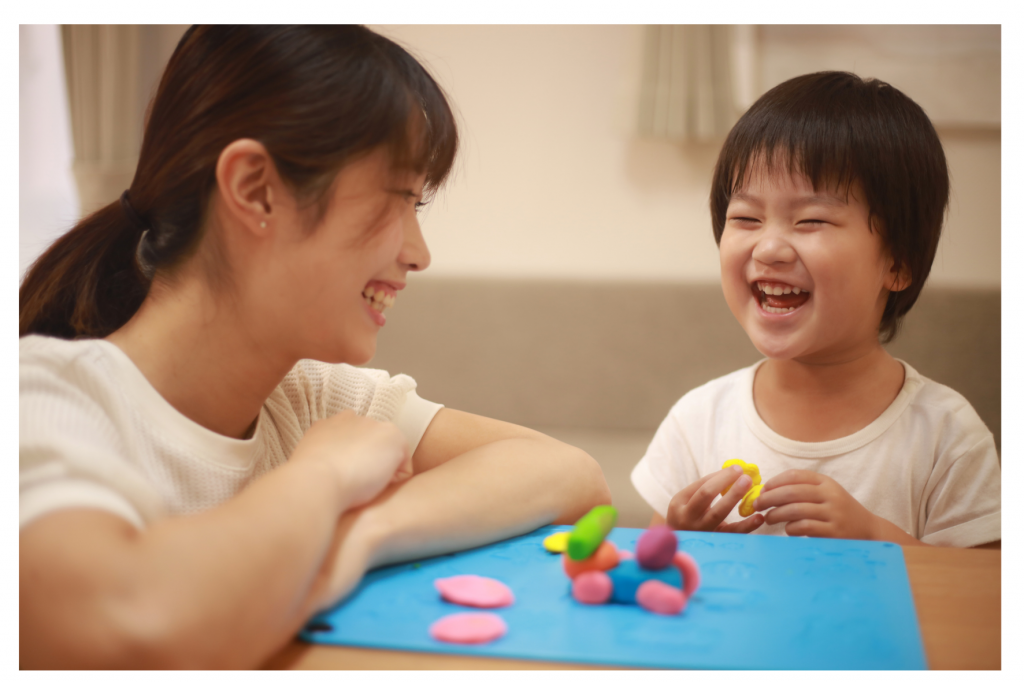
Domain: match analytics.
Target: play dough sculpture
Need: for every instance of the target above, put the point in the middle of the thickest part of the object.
(658, 578)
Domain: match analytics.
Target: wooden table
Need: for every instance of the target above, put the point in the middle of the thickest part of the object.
(956, 593)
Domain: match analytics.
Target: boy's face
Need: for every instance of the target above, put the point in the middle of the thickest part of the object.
(801, 270)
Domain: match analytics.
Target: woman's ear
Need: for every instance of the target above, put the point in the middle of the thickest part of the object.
(898, 278)
(248, 183)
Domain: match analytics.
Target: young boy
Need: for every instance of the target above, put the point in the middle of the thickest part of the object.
(827, 204)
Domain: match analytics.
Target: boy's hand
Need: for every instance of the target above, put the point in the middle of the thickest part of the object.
(691, 509)
(815, 505)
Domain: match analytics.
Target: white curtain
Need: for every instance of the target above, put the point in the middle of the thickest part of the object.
(697, 80)
(48, 201)
(102, 64)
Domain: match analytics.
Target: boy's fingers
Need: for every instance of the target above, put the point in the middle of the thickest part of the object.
(747, 525)
(796, 512)
(788, 494)
(809, 527)
(713, 517)
(790, 477)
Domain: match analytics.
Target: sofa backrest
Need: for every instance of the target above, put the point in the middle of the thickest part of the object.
(615, 355)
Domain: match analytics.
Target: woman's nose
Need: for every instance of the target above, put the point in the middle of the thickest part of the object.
(414, 255)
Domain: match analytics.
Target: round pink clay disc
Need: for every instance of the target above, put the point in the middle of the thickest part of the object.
(468, 628)
(592, 587)
(689, 572)
(474, 590)
(658, 597)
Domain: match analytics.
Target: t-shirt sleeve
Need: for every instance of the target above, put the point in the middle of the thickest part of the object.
(69, 451)
(668, 465)
(318, 390)
(964, 504)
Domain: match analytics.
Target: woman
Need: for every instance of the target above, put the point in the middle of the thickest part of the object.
(198, 474)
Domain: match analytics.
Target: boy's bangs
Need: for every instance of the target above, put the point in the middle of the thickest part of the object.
(825, 160)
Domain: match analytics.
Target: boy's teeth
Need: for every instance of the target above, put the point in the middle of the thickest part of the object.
(776, 310)
(776, 290)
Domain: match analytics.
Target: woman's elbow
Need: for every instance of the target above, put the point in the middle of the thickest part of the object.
(585, 488)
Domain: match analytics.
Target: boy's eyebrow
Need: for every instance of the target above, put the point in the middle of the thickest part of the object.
(820, 198)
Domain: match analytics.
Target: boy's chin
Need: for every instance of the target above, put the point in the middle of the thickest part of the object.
(777, 351)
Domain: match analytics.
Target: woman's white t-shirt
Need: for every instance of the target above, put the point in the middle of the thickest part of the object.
(95, 433)
(928, 464)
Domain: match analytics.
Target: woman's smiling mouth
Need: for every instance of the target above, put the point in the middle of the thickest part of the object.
(778, 297)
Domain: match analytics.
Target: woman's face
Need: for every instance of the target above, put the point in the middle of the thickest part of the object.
(326, 290)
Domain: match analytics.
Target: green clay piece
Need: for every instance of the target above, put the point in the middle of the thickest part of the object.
(591, 530)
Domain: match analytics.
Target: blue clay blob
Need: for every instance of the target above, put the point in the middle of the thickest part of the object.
(629, 575)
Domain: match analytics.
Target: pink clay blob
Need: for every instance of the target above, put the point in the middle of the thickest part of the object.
(592, 587)
(689, 571)
(656, 547)
(658, 597)
(468, 628)
(474, 590)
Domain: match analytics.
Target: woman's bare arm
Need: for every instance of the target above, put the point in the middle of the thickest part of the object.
(224, 588)
(477, 480)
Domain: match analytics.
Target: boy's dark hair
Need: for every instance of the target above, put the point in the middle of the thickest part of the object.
(837, 129)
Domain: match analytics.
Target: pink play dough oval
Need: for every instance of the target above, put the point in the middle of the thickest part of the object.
(592, 587)
(656, 547)
(474, 590)
(625, 555)
(689, 571)
(658, 597)
(468, 628)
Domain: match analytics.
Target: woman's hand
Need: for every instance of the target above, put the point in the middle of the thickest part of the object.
(691, 509)
(815, 505)
(363, 454)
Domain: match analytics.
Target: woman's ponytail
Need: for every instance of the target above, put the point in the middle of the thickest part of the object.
(314, 96)
(88, 283)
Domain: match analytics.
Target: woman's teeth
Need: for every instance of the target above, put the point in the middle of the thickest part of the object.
(378, 299)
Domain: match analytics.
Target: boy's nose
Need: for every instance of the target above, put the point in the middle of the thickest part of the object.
(773, 247)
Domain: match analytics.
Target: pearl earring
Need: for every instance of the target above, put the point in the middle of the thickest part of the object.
(263, 223)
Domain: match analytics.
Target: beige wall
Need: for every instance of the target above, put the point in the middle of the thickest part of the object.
(553, 181)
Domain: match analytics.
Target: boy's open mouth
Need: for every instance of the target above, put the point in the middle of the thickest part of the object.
(777, 297)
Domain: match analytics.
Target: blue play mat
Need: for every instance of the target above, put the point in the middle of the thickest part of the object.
(764, 602)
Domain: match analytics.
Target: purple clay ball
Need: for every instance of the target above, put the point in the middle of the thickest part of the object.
(656, 547)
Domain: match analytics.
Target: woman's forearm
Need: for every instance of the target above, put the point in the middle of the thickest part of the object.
(220, 589)
(494, 491)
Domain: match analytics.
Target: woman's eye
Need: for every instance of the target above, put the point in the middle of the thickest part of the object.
(419, 205)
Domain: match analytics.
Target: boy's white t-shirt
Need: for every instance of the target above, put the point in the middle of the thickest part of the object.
(928, 464)
(95, 433)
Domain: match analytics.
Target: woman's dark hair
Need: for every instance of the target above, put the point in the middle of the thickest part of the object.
(838, 129)
(316, 97)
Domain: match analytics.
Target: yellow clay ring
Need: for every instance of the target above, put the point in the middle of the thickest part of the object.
(747, 504)
(749, 469)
